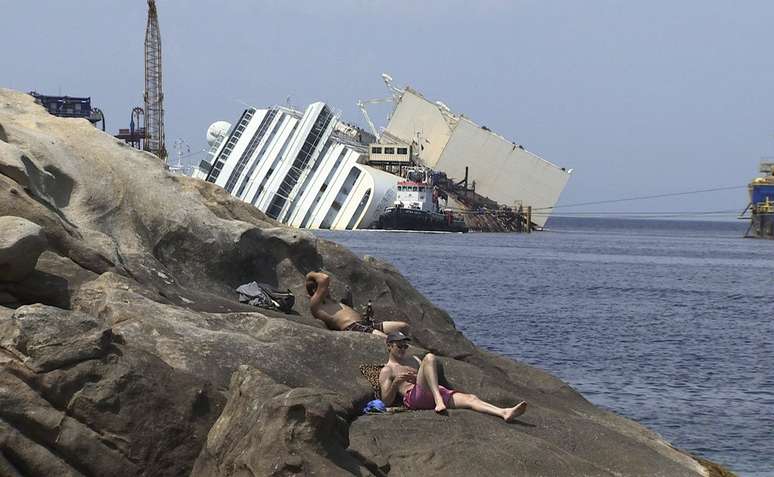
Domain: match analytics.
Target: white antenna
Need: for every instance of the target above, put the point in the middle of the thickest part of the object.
(182, 150)
(180, 146)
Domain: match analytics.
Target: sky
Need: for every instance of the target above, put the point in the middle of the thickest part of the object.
(638, 98)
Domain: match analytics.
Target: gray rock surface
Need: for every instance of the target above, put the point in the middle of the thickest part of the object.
(21, 243)
(125, 352)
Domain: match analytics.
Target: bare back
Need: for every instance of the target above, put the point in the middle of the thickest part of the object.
(335, 315)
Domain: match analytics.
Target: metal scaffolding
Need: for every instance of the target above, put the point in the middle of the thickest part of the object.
(154, 95)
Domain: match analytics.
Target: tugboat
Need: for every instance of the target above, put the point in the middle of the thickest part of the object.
(762, 204)
(416, 207)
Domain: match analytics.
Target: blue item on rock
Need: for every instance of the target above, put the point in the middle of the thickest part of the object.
(374, 406)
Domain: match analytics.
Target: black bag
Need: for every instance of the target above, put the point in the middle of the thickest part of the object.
(266, 296)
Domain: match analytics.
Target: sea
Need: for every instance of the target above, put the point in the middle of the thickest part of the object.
(669, 323)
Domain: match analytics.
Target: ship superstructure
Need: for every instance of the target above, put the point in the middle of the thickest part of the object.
(762, 203)
(502, 170)
(302, 169)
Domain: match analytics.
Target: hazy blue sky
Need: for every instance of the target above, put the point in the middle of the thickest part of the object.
(638, 98)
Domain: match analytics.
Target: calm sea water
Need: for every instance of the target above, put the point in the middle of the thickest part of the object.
(668, 323)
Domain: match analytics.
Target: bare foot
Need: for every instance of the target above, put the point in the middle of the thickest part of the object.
(440, 408)
(515, 411)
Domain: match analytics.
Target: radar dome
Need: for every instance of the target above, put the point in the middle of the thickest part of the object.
(216, 130)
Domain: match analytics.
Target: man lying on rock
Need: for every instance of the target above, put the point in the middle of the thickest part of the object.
(339, 316)
(420, 389)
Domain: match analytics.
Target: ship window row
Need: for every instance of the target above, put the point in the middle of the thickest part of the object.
(341, 198)
(300, 163)
(277, 160)
(323, 187)
(308, 178)
(248, 178)
(224, 154)
(250, 149)
(294, 172)
(359, 211)
(221, 159)
(411, 188)
(389, 150)
(276, 157)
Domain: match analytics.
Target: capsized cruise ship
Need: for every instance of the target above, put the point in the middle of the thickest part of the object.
(303, 169)
(311, 170)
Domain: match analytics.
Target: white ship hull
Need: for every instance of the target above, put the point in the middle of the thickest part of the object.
(299, 169)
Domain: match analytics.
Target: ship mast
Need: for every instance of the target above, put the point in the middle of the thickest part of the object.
(154, 95)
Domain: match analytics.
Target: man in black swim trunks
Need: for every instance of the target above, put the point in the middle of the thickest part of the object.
(337, 315)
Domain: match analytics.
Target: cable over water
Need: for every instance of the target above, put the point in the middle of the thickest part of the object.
(642, 197)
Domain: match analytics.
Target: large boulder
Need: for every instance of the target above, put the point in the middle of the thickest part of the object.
(75, 400)
(21, 243)
(126, 351)
(293, 431)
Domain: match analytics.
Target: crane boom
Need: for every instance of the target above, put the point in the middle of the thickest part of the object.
(154, 95)
(362, 105)
(363, 109)
(395, 96)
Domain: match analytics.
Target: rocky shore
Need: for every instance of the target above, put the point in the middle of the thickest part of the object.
(124, 350)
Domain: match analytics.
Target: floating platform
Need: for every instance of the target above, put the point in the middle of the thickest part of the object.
(762, 204)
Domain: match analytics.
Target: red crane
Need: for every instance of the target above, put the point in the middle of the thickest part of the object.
(154, 95)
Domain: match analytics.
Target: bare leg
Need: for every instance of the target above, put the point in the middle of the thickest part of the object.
(393, 326)
(427, 377)
(469, 401)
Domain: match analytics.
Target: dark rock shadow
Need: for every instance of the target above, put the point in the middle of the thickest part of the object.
(60, 188)
(40, 287)
(214, 269)
(50, 187)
